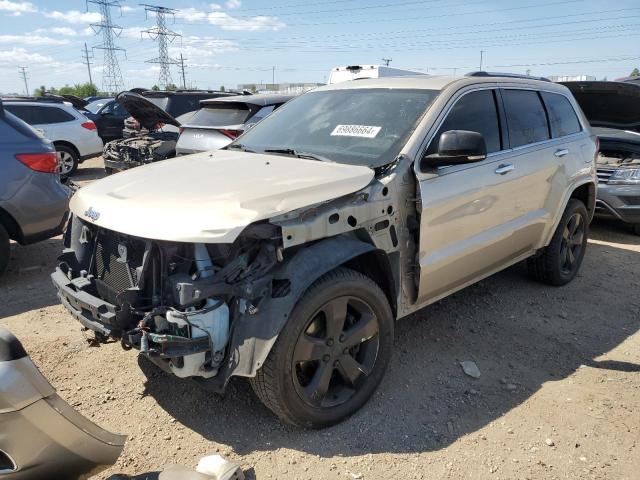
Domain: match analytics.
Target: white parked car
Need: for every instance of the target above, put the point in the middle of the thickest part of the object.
(74, 136)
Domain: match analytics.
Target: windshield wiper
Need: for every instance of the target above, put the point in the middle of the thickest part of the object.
(295, 153)
(239, 146)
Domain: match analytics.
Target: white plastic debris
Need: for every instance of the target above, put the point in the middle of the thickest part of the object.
(219, 468)
(470, 368)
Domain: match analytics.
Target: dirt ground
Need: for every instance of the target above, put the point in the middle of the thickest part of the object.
(558, 396)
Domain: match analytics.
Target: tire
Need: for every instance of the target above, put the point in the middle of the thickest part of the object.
(283, 382)
(560, 261)
(636, 228)
(109, 171)
(69, 160)
(5, 250)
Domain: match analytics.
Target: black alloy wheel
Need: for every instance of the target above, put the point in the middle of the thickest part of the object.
(572, 243)
(336, 352)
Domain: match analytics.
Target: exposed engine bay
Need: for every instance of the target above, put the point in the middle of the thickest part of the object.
(126, 153)
(610, 157)
(175, 302)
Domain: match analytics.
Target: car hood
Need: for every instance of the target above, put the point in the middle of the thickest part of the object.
(211, 197)
(148, 114)
(608, 104)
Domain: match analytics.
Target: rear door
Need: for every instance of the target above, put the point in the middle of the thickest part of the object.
(470, 213)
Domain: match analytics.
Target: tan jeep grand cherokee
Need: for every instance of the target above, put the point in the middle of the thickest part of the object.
(288, 256)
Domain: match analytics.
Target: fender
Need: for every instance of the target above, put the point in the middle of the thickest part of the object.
(254, 335)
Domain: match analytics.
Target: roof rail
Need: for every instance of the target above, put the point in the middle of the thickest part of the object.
(25, 98)
(506, 75)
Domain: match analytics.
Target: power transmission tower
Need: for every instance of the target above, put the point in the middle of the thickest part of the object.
(87, 62)
(184, 82)
(387, 61)
(23, 73)
(164, 36)
(111, 76)
(481, 57)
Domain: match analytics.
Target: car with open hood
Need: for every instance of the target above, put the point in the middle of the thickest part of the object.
(613, 110)
(156, 141)
(287, 256)
(221, 120)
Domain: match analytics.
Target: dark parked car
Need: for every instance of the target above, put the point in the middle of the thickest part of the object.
(109, 116)
(220, 120)
(33, 202)
(175, 103)
(613, 110)
(156, 139)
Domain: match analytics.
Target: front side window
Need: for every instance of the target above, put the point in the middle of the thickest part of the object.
(475, 112)
(562, 117)
(358, 126)
(526, 118)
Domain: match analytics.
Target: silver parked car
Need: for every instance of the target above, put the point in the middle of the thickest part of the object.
(33, 202)
(288, 256)
(221, 120)
(73, 135)
(613, 110)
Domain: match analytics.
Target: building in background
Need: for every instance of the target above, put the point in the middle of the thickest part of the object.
(281, 88)
(572, 78)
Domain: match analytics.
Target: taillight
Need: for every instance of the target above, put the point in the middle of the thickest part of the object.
(135, 124)
(232, 134)
(180, 130)
(89, 125)
(40, 162)
(158, 126)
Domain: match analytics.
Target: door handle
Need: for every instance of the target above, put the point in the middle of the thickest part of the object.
(504, 168)
(561, 153)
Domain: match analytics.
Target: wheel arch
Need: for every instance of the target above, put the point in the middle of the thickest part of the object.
(67, 144)
(255, 334)
(586, 193)
(11, 226)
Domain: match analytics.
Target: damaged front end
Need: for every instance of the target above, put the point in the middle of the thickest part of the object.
(176, 302)
(127, 153)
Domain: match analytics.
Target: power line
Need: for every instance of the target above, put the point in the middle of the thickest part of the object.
(23, 74)
(87, 62)
(111, 76)
(184, 81)
(163, 36)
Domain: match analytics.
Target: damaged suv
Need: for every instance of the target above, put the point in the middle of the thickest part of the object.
(288, 256)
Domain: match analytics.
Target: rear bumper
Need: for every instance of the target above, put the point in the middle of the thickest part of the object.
(92, 312)
(621, 202)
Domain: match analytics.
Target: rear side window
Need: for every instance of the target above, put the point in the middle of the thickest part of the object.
(475, 112)
(263, 112)
(526, 118)
(562, 116)
(40, 115)
(180, 104)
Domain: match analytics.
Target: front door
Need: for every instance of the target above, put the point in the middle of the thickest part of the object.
(471, 214)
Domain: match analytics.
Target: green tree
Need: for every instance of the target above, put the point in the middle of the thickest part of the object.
(38, 92)
(155, 88)
(171, 87)
(222, 88)
(635, 73)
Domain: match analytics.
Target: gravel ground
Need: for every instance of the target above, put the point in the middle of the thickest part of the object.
(558, 395)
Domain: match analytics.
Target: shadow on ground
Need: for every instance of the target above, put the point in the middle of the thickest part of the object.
(425, 402)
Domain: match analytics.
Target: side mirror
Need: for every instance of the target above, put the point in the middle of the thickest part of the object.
(457, 147)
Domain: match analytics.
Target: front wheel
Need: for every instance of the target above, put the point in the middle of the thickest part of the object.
(560, 261)
(332, 354)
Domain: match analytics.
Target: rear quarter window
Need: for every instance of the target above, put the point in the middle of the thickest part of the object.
(45, 115)
(562, 117)
(220, 115)
(526, 117)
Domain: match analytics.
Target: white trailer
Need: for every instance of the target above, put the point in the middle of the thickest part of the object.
(353, 72)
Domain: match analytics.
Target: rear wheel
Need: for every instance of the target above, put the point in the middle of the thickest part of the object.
(331, 356)
(68, 160)
(636, 228)
(560, 261)
(5, 250)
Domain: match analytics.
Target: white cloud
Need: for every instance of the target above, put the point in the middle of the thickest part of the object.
(252, 24)
(74, 16)
(197, 48)
(19, 56)
(233, 3)
(191, 14)
(31, 39)
(64, 31)
(17, 8)
(127, 8)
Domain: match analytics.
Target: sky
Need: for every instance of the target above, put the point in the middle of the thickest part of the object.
(231, 42)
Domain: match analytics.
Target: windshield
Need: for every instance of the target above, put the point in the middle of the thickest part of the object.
(355, 126)
(220, 115)
(96, 105)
